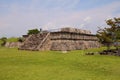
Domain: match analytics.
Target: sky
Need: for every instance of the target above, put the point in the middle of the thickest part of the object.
(18, 16)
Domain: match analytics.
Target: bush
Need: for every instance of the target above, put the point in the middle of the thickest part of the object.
(33, 31)
(20, 39)
(3, 41)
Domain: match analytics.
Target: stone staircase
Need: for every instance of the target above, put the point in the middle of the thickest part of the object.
(45, 43)
(35, 42)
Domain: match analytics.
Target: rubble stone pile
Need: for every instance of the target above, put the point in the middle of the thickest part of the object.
(13, 44)
(115, 52)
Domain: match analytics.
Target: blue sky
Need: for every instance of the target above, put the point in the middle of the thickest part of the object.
(17, 16)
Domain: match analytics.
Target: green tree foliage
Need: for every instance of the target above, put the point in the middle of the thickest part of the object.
(20, 39)
(110, 34)
(33, 31)
(115, 27)
(4, 40)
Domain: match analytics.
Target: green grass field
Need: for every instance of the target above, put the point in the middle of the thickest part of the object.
(12, 39)
(54, 65)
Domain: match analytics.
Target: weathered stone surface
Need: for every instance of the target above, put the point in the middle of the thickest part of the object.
(73, 36)
(75, 30)
(33, 41)
(64, 40)
(13, 44)
(66, 45)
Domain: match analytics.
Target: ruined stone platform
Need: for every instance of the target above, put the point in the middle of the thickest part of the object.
(64, 39)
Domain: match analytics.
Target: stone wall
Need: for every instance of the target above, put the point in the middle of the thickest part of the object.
(75, 30)
(66, 39)
(13, 44)
(66, 45)
(73, 39)
(72, 36)
(45, 43)
(33, 41)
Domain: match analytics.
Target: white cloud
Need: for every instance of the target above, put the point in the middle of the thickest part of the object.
(82, 25)
(49, 26)
(19, 20)
(87, 19)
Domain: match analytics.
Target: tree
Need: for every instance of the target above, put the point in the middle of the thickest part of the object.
(104, 37)
(115, 27)
(4, 40)
(33, 31)
(110, 34)
(20, 39)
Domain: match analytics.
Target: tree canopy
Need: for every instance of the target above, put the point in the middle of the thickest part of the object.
(33, 31)
(110, 34)
(3, 39)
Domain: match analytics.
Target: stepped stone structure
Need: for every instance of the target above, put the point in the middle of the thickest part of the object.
(64, 39)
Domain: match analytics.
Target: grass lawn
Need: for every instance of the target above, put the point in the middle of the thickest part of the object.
(54, 65)
(12, 39)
